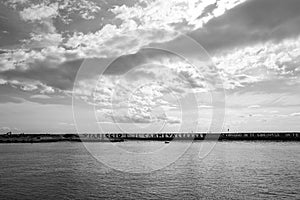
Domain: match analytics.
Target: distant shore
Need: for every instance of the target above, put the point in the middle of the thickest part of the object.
(121, 137)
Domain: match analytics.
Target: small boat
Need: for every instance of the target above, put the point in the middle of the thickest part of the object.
(167, 142)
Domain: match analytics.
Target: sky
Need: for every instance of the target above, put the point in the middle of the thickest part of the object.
(149, 65)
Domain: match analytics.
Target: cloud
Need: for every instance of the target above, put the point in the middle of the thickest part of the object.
(261, 62)
(45, 40)
(4, 98)
(40, 96)
(169, 119)
(295, 114)
(31, 10)
(41, 16)
(164, 14)
(43, 76)
(255, 46)
(262, 100)
(127, 102)
(138, 27)
(161, 65)
(66, 124)
(40, 12)
(250, 23)
(30, 86)
(147, 66)
(270, 55)
(256, 115)
(14, 3)
(84, 8)
(254, 106)
(41, 21)
(141, 94)
(40, 56)
(205, 106)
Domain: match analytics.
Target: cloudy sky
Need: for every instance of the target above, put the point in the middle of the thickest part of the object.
(251, 46)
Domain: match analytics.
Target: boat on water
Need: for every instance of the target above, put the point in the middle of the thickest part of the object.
(167, 142)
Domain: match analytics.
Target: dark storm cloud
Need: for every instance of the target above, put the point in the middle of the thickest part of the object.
(251, 22)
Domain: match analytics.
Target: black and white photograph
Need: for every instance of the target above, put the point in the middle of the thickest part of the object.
(149, 99)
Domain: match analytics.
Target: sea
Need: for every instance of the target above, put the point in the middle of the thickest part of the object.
(231, 170)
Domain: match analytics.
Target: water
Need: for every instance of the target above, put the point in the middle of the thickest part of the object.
(233, 170)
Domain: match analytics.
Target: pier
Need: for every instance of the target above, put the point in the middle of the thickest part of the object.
(121, 137)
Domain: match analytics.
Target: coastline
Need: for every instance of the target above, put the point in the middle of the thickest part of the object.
(118, 137)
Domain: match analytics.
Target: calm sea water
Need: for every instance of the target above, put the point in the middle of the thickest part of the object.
(233, 170)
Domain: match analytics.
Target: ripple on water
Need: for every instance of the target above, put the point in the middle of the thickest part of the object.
(238, 170)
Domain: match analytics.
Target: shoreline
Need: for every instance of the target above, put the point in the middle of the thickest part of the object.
(119, 137)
